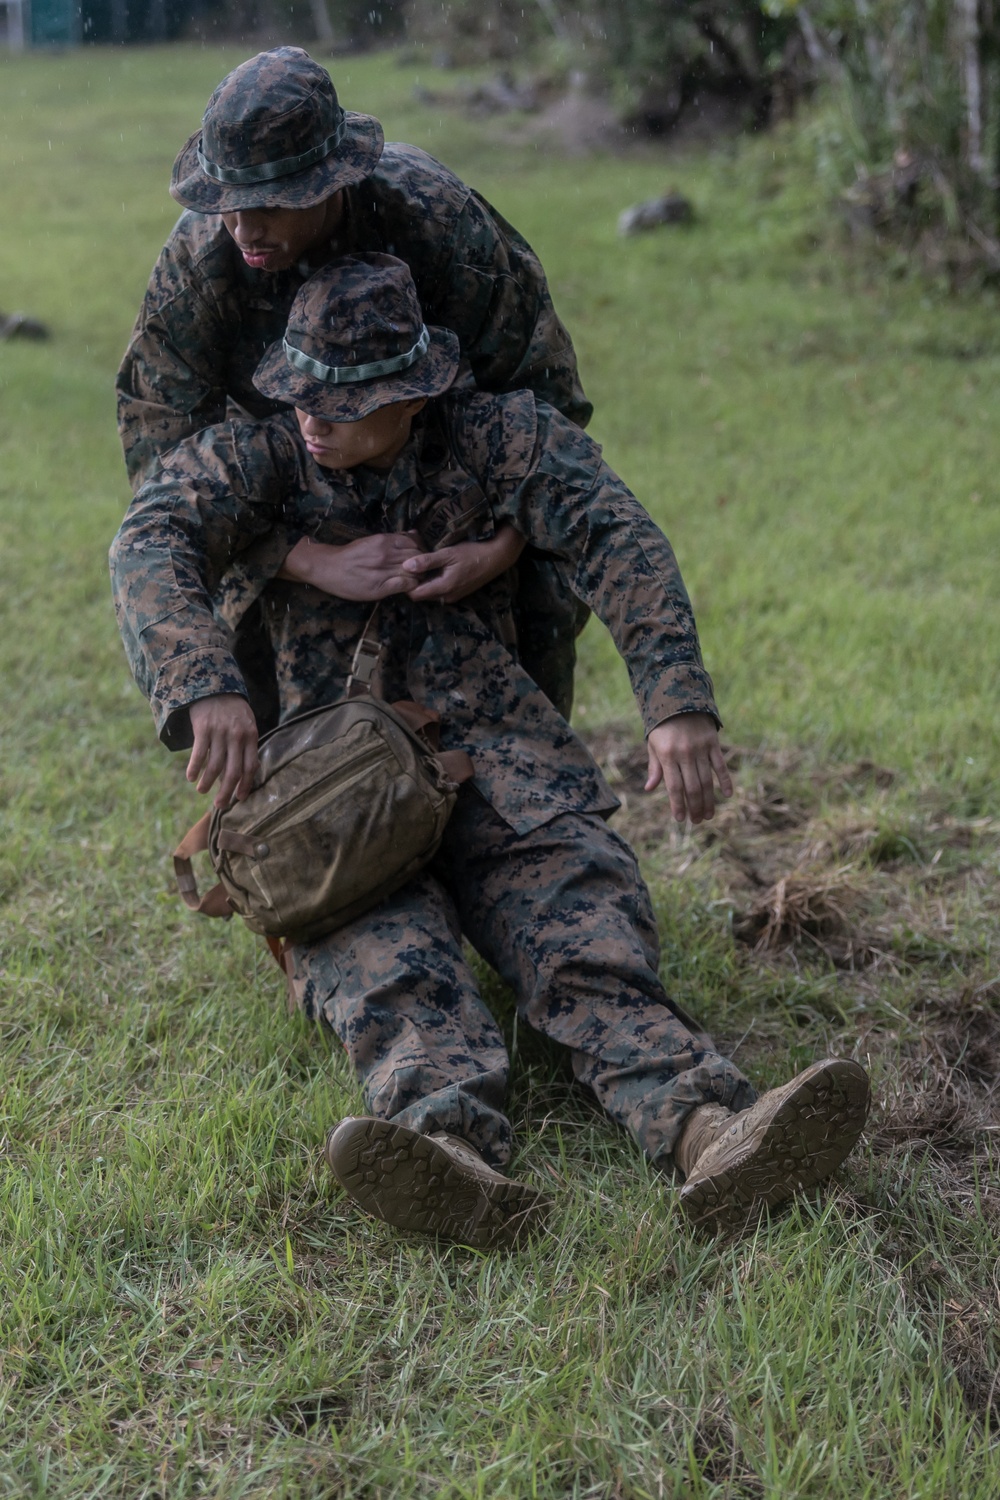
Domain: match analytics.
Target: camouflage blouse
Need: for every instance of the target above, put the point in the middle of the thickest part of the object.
(222, 491)
(207, 317)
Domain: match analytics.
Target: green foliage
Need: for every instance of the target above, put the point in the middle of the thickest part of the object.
(658, 53)
(709, 42)
(920, 84)
(187, 1306)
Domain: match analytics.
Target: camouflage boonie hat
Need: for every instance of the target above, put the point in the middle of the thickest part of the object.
(274, 135)
(356, 341)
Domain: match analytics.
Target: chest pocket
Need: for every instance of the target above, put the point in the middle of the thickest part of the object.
(456, 510)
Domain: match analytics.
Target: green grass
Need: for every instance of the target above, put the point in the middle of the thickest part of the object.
(187, 1307)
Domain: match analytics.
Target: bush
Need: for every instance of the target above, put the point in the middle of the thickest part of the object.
(659, 55)
(919, 82)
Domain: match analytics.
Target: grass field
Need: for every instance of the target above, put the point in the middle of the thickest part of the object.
(187, 1306)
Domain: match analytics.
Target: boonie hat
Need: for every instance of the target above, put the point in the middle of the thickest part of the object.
(356, 340)
(274, 135)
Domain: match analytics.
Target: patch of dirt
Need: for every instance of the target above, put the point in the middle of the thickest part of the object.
(577, 124)
(835, 867)
(814, 860)
(716, 1446)
(970, 1348)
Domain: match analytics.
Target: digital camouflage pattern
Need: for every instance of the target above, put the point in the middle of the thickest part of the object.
(473, 462)
(274, 134)
(207, 319)
(359, 315)
(564, 917)
(528, 871)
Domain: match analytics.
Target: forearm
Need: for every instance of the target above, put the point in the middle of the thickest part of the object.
(149, 429)
(503, 550)
(624, 569)
(452, 573)
(312, 562)
(176, 649)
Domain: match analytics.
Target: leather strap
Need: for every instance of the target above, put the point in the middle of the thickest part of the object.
(423, 722)
(214, 903)
(456, 765)
(279, 952)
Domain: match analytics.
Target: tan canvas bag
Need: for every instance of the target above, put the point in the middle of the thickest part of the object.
(350, 802)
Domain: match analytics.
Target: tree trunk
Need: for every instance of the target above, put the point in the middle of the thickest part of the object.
(967, 12)
(322, 25)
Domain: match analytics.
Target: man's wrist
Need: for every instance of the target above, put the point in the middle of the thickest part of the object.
(508, 544)
(301, 564)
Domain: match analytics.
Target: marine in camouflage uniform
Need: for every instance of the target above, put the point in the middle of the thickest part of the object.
(274, 135)
(529, 870)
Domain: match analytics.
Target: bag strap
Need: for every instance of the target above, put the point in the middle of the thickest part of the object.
(279, 952)
(214, 903)
(367, 655)
(425, 723)
(457, 765)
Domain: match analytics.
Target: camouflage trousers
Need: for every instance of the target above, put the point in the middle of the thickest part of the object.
(565, 918)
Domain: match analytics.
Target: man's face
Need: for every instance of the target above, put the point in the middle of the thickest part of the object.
(375, 440)
(272, 239)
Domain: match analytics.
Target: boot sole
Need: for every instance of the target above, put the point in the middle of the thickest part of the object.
(412, 1182)
(810, 1134)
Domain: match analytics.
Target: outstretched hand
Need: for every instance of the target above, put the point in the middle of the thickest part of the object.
(685, 754)
(225, 747)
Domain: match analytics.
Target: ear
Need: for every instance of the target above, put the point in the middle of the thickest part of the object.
(415, 404)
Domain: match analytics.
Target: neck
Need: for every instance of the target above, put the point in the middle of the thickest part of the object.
(388, 456)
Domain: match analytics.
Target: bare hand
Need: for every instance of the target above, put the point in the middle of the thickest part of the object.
(225, 746)
(367, 570)
(684, 753)
(452, 573)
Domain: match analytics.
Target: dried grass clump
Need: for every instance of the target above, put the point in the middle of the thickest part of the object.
(927, 1103)
(813, 905)
(961, 1033)
(970, 1346)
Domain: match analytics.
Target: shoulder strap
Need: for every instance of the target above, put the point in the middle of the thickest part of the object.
(367, 655)
(214, 903)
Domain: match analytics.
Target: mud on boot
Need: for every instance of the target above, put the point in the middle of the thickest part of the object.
(791, 1139)
(435, 1184)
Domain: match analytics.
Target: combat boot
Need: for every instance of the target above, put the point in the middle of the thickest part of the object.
(736, 1165)
(436, 1184)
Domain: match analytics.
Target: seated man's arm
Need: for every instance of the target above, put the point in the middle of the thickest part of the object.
(570, 505)
(180, 534)
(394, 562)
